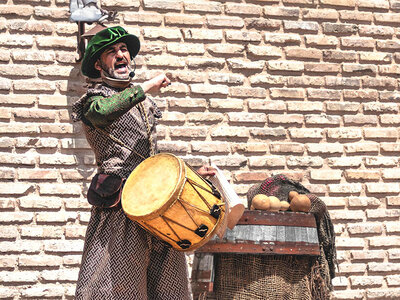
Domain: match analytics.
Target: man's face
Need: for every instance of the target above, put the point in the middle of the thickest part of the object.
(115, 61)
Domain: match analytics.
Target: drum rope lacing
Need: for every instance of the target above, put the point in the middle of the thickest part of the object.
(201, 229)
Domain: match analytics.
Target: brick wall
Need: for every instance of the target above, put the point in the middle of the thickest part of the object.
(302, 87)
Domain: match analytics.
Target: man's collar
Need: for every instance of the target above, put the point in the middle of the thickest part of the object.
(116, 83)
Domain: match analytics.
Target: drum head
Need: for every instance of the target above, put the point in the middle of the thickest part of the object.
(152, 186)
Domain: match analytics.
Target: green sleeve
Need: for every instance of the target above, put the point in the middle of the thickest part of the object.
(101, 111)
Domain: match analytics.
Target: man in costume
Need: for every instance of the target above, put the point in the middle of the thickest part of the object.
(120, 259)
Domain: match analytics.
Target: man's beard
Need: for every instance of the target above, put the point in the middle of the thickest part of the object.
(110, 72)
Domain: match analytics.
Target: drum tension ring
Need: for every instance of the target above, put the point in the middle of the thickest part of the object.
(184, 244)
(215, 211)
(201, 230)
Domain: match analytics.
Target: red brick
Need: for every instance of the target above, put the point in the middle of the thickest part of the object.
(282, 12)
(188, 132)
(208, 89)
(287, 93)
(189, 76)
(250, 176)
(223, 21)
(365, 229)
(366, 281)
(243, 9)
(37, 174)
(322, 120)
(300, 26)
(268, 132)
(339, 29)
(373, 133)
(31, 26)
(326, 148)
(339, 55)
(302, 162)
(376, 31)
(287, 119)
(383, 267)
(387, 45)
(247, 92)
(356, 16)
(384, 293)
(210, 147)
(182, 20)
(326, 175)
(320, 14)
(229, 161)
(226, 49)
(340, 3)
(342, 106)
(364, 175)
(277, 148)
(243, 36)
(362, 68)
(378, 4)
(334, 81)
(290, 66)
(202, 35)
(369, 255)
(306, 81)
(390, 120)
(262, 23)
(357, 43)
(244, 117)
(143, 18)
(303, 54)
(375, 57)
(390, 147)
(264, 51)
(323, 94)
(169, 5)
(230, 132)
(306, 133)
(282, 38)
(360, 120)
(223, 104)
(249, 147)
(348, 295)
(381, 108)
(16, 10)
(304, 106)
(363, 95)
(207, 7)
(321, 41)
(267, 161)
(389, 70)
(383, 188)
(239, 64)
(321, 68)
(346, 162)
(266, 79)
(299, 2)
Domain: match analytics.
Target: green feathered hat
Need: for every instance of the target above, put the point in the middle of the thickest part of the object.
(101, 41)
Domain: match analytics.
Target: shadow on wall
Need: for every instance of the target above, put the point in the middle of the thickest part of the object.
(77, 144)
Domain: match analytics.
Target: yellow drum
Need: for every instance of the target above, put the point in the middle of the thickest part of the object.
(169, 199)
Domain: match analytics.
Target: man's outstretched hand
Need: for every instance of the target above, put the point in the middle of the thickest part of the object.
(155, 84)
(205, 171)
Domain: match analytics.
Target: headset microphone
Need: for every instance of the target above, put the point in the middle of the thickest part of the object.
(132, 73)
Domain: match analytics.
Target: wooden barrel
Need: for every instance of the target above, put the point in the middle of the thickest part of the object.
(257, 232)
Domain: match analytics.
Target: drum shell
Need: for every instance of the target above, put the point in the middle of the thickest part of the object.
(187, 209)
